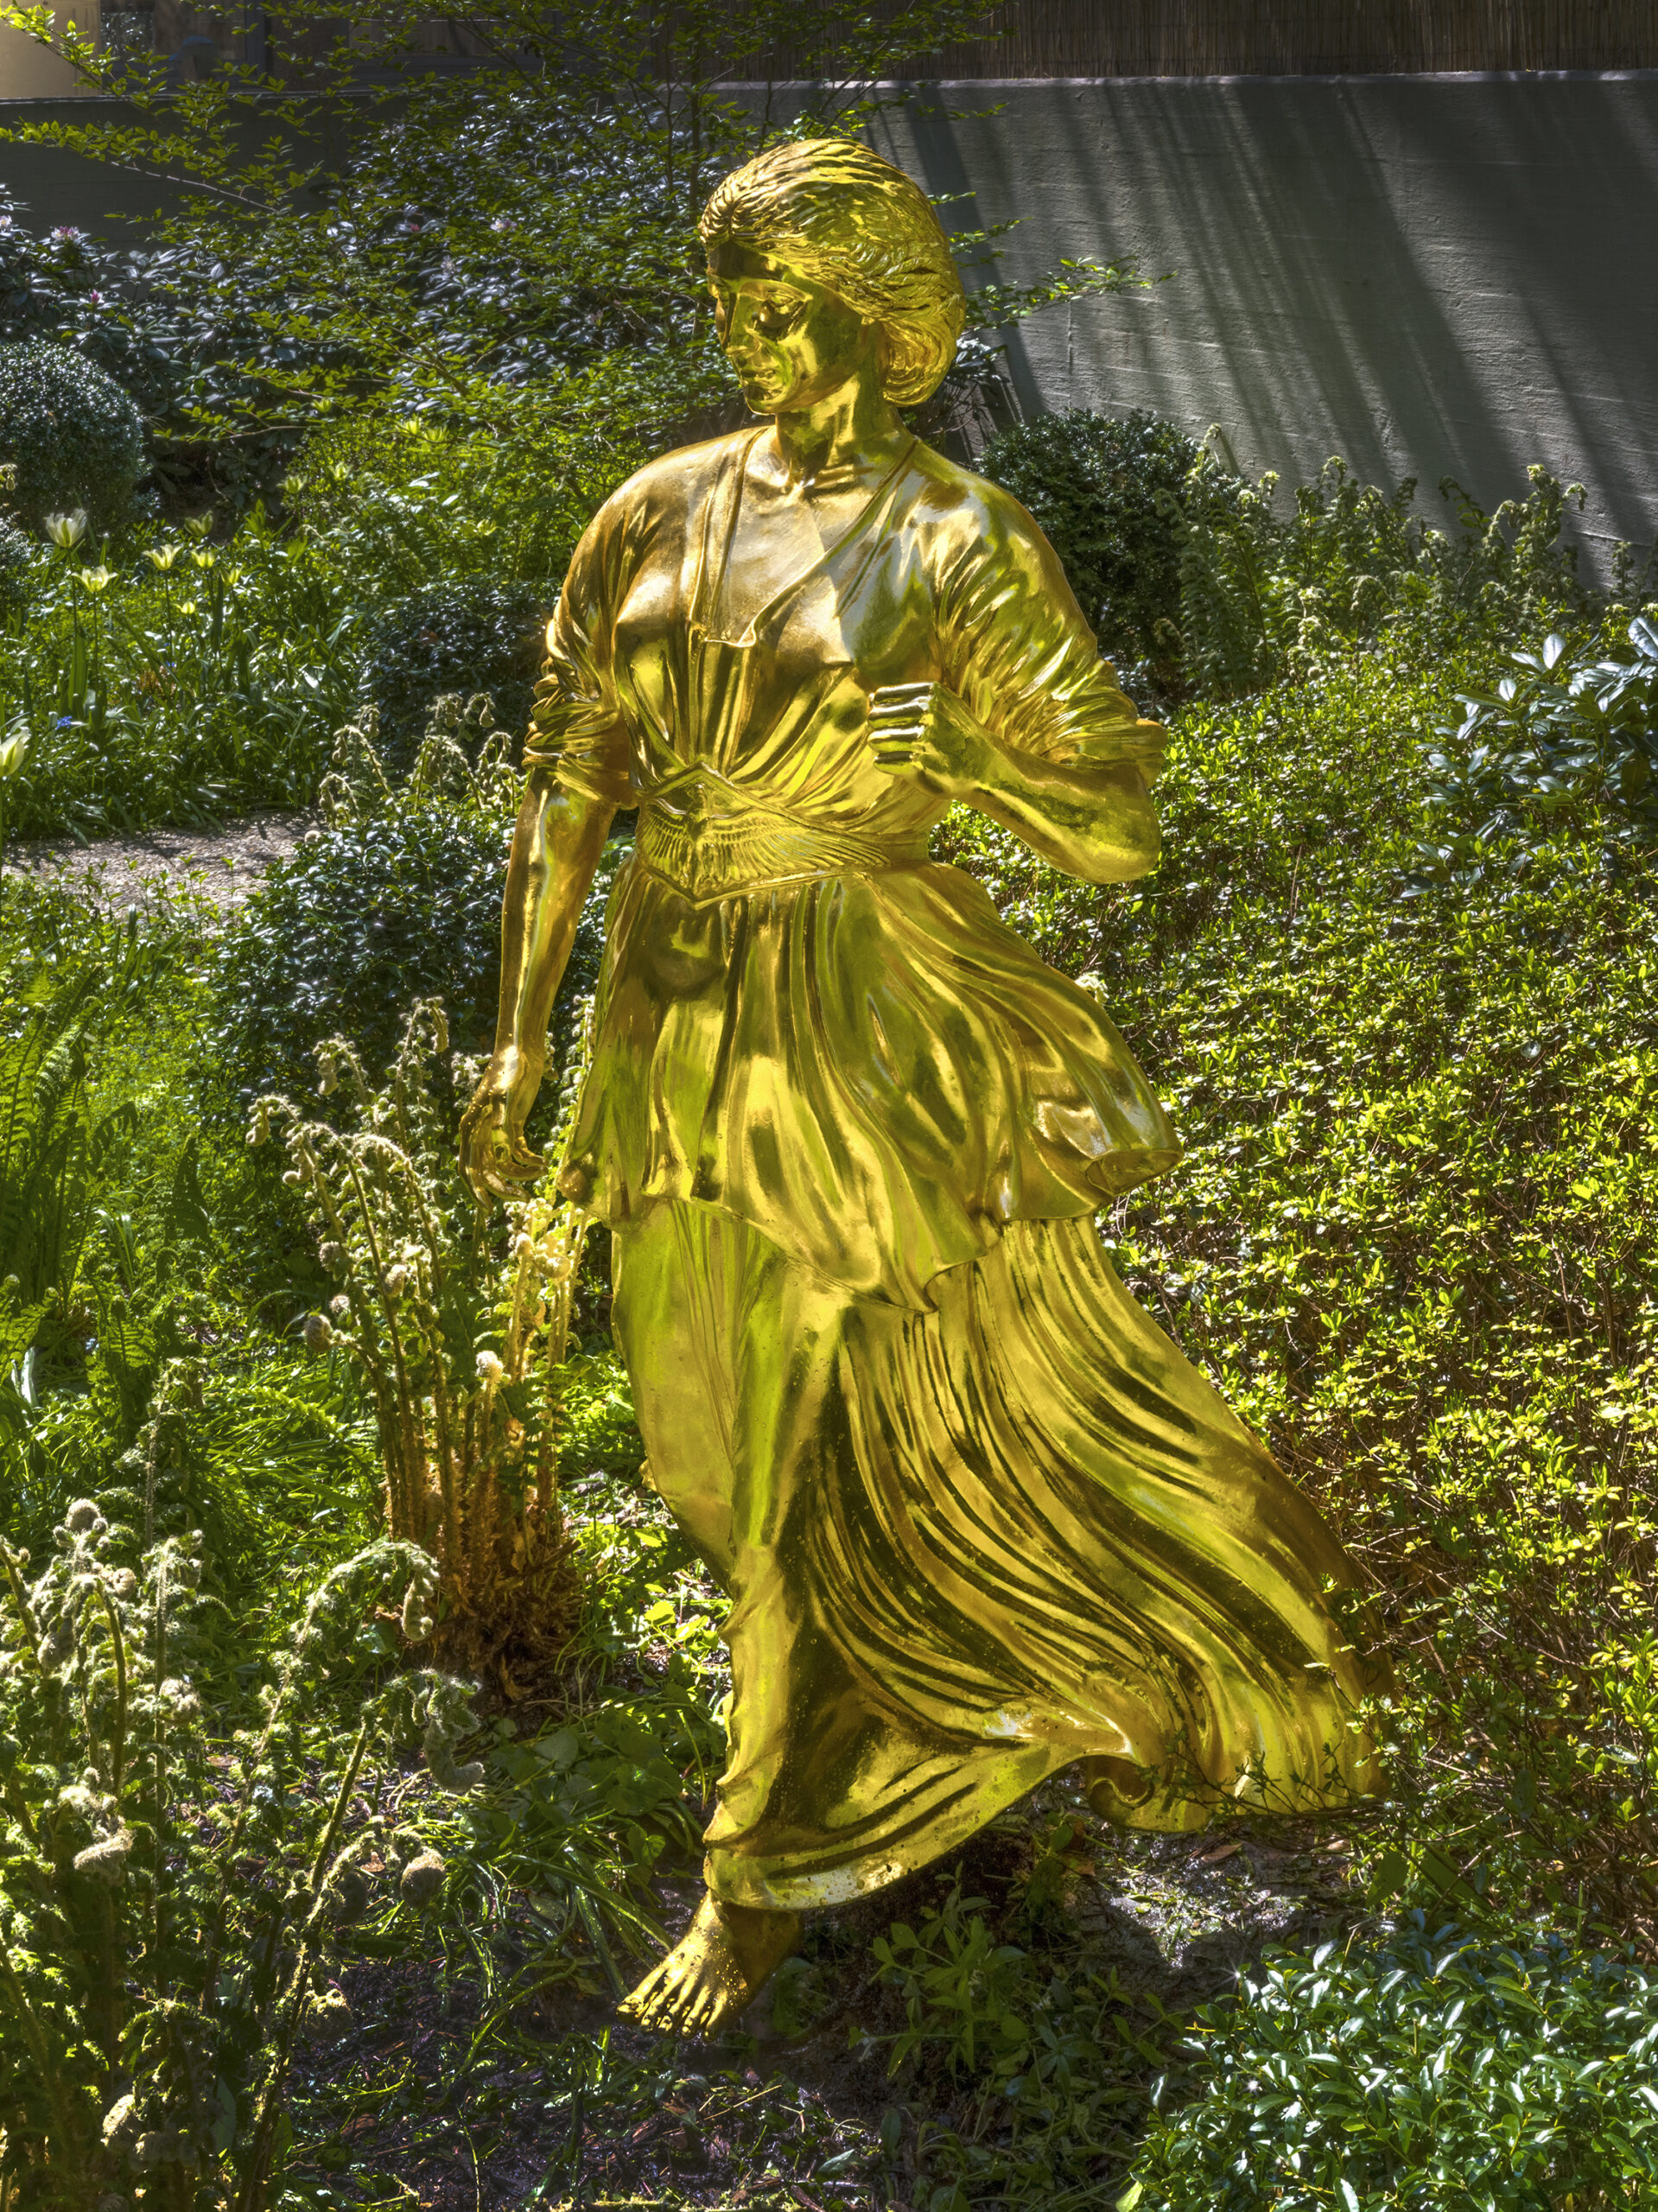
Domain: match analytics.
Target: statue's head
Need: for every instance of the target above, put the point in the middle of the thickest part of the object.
(822, 256)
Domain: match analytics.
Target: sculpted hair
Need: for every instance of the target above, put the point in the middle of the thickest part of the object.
(861, 228)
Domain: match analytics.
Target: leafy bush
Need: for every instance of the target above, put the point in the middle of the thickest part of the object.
(1116, 495)
(1438, 2070)
(399, 898)
(168, 1909)
(189, 347)
(401, 503)
(1263, 595)
(452, 637)
(340, 937)
(71, 433)
(1566, 736)
(1414, 1238)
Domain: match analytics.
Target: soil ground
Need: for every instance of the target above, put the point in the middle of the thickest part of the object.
(750, 2121)
(222, 865)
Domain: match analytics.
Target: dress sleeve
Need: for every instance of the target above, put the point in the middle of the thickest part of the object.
(576, 727)
(1017, 652)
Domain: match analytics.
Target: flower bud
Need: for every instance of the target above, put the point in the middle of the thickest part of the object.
(490, 1369)
(347, 1896)
(82, 1515)
(317, 1332)
(396, 1280)
(422, 1879)
(334, 1257)
(417, 1621)
(106, 1861)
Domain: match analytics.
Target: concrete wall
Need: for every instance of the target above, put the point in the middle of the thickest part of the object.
(1428, 276)
(57, 187)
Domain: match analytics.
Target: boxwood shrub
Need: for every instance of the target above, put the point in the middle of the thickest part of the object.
(71, 433)
(361, 921)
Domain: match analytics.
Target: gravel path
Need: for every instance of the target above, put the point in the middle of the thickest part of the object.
(223, 865)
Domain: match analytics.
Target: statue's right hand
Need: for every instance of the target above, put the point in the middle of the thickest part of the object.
(494, 1158)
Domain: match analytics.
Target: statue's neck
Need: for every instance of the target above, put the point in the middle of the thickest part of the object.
(852, 435)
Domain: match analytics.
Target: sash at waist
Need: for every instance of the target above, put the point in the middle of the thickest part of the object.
(716, 854)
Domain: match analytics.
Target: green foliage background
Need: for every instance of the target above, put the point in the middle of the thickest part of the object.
(1394, 977)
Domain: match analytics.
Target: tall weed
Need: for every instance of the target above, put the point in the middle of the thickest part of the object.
(1264, 595)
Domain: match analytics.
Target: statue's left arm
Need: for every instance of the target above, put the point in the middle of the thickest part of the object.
(1024, 721)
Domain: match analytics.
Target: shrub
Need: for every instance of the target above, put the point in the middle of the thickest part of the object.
(1264, 595)
(1438, 2070)
(452, 637)
(169, 1904)
(399, 898)
(1565, 736)
(401, 503)
(339, 938)
(63, 285)
(71, 434)
(1115, 495)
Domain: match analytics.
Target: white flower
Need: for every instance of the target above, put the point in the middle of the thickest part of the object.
(66, 531)
(490, 1369)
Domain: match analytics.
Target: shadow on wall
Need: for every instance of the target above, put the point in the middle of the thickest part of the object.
(1430, 276)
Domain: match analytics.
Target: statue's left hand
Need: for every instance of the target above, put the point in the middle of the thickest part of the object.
(922, 729)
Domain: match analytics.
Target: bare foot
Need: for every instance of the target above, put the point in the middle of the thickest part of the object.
(717, 1968)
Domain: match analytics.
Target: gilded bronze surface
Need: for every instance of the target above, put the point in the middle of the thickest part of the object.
(978, 1518)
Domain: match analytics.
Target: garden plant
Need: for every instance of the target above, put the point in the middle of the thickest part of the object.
(359, 1700)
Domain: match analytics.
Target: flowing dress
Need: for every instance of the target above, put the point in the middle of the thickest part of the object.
(978, 1518)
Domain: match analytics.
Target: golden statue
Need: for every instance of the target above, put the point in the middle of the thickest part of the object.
(978, 1518)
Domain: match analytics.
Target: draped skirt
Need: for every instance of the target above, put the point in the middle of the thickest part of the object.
(969, 1545)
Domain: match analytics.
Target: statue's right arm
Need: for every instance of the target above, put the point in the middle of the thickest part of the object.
(556, 848)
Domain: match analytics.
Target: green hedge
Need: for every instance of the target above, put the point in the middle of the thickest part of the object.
(71, 433)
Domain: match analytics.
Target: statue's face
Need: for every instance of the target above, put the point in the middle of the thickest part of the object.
(792, 343)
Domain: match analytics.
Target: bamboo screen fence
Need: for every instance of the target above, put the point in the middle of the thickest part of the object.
(1224, 38)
